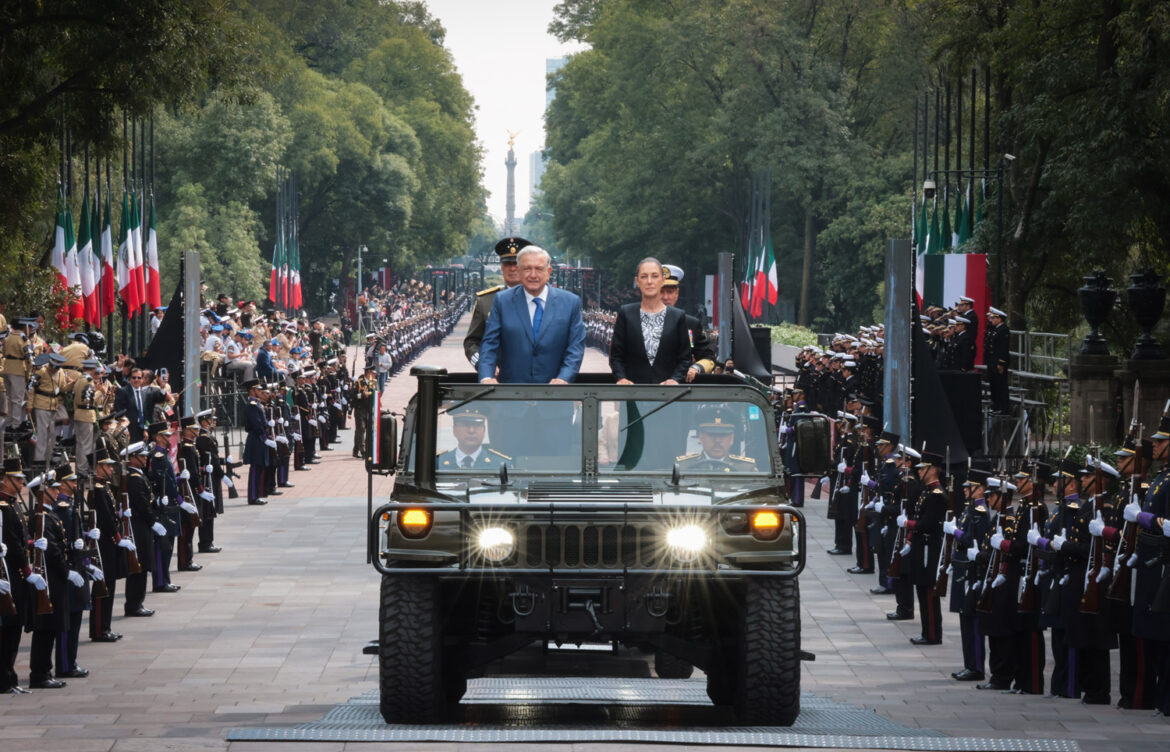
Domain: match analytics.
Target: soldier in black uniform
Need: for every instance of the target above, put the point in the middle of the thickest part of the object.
(995, 354)
(889, 495)
(506, 249)
(212, 473)
(50, 538)
(15, 538)
(1029, 635)
(844, 500)
(971, 526)
(189, 478)
(924, 532)
(101, 501)
(81, 571)
(864, 461)
(363, 395)
(165, 491)
(995, 586)
(145, 527)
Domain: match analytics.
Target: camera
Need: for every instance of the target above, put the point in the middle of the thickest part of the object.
(928, 189)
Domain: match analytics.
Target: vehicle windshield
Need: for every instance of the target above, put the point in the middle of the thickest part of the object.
(632, 436)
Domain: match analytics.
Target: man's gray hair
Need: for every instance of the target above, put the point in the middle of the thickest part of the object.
(533, 249)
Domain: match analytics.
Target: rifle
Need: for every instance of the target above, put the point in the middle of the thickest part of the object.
(44, 600)
(133, 565)
(942, 571)
(7, 603)
(229, 469)
(1026, 594)
(1091, 595)
(900, 538)
(1119, 586)
(92, 550)
(193, 518)
(996, 564)
(863, 495)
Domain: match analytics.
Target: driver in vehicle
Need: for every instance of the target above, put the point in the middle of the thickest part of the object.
(717, 434)
(469, 426)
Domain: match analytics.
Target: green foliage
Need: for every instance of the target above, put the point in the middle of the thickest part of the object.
(791, 334)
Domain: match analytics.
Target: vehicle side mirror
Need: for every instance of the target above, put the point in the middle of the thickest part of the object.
(811, 437)
(386, 458)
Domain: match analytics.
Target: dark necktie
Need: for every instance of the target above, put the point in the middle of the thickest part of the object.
(536, 317)
(467, 461)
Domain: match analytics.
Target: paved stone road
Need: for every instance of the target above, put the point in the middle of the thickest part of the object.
(271, 631)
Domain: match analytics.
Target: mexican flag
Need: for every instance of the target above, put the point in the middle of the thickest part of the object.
(127, 285)
(153, 294)
(72, 271)
(945, 277)
(109, 282)
(85, 264)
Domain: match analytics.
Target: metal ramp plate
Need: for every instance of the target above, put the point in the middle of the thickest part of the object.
(582, 710)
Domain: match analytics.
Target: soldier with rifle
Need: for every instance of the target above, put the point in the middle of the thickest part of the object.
(363, 394)
(211, 478)
(165, 492)
(258, 443)
(889, 501)
(1030, 650)
(843, 498)
(996, 585)
(970, 527)
(200, 500)
(303, 401)
(138, 503)
(1137, 671)
(48, 614)
(1151, 576)
(1055, 574)
(111, 545)
(924, 534)
(863, 461)
(18, 577)
(74, 598)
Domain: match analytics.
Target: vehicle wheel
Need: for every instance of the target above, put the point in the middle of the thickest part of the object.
(668, 666)
(410, 672)
(767, 680)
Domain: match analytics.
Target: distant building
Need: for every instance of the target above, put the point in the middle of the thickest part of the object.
(536, 159)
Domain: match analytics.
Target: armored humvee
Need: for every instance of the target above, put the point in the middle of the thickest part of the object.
(650, 516)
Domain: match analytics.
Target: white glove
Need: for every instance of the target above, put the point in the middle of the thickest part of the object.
(127, 513)
(158, 529)
(1132, 510)
(271, 423)
(1104, 574)
(36, 581)
(905, 550)
(1166, 528)
(127, 544)
(164, 501)
(207, 495)
(187, 507)
(999, 580)
(1033, 535)
(94, 533)
(878, 505)
(296, 437)
(75, 579)
(5, 588)
(1131, 561)
(841, 466)
(844, 489)
(337, 405)
(902, 520)
(1096, 526)
(228, 481)
(996, 539)
(972, 553)
(1064, 580)
(97, 574)
(949, 527)
(79, 544)
(1058, 542)
(41, 543)
(209, 469)
(312, 421)
(270, 443)
(282, 439)
(885, 529)
(864, 477)
(282, 422)
(3, 549)
(230, 460)
(950, 568)
(184, 475)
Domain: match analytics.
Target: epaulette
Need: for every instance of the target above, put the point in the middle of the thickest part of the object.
(680, 458)
(738, 458)
(497, 288)
(980, 508)
(156, 454)
(499, 454)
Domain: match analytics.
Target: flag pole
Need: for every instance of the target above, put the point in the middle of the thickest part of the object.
(125, 176)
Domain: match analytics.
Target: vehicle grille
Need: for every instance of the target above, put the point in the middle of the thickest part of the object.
(553, 493)
(584, 545)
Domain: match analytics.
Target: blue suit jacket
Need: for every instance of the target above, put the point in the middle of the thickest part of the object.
(507, 342)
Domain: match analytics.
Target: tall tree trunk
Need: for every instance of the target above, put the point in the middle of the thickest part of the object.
(806, 267)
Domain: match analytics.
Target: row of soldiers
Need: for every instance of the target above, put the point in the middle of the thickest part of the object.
(851, 365)
(69, 539)
(409, 335)
(1081, 551)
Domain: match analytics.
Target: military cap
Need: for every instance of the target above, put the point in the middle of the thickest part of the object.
(976, 477)
(136, 448)
(102, 457)
(931, 459)
(1069, 468)
(671, 275)
(469, 414)
(161, 427)
(716, 420)
(56, 359)
(308, 373)
(1096, 463)
(993, 311)
(187, 421)
(204, 414)
(871, 422)
(64, 472)
(888, 437)
(507, 249)
(250, 384)
(1163, 431)
(370, 366)
(12, 467)
(91, 363)
(1147, 449)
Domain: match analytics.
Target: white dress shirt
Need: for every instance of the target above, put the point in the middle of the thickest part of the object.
(532, 306)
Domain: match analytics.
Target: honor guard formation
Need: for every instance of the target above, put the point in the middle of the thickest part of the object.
(1054, 567)
(104, 482)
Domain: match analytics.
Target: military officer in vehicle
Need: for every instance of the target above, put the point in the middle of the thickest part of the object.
(469, 426)
(702, 352)
(717, 434)
(506, 249)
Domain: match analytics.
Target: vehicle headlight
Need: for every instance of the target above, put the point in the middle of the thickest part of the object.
(496, 544)
(686, 542)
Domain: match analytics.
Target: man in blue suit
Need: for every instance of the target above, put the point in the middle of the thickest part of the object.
(535, 334)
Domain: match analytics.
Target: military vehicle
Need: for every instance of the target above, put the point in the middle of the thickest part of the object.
(652, 517)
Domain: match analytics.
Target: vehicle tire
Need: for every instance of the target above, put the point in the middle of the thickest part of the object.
(668, 666)
(410, 671)
(767, 672)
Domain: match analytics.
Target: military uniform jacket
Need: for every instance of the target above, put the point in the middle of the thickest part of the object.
(84, 399)
(488, 459)
(971, 526)
(161, 475)
(16, 538)
(255, 451)
(1052, 566)
(189, 458)
(996, 347)
(142, 515)
(1153, 551)
(101, 501)
(1001, 622)
(1084, 630)
(700, 462)
(930, 509)
(47, 388)
(479, 317)
(56, 570)
(16, 362)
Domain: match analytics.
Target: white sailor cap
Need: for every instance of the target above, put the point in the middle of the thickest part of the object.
(965, 299)
(1095, 462)
(993, 311)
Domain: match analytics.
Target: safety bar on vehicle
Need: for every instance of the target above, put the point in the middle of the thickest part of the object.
(549, 513)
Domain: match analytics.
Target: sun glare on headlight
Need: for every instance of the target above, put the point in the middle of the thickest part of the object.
(496, 544)
(686, 542)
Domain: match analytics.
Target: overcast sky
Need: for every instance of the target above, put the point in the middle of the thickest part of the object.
(500, 48)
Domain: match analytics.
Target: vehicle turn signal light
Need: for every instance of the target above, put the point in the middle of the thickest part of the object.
(414, 523)
(766, 524)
